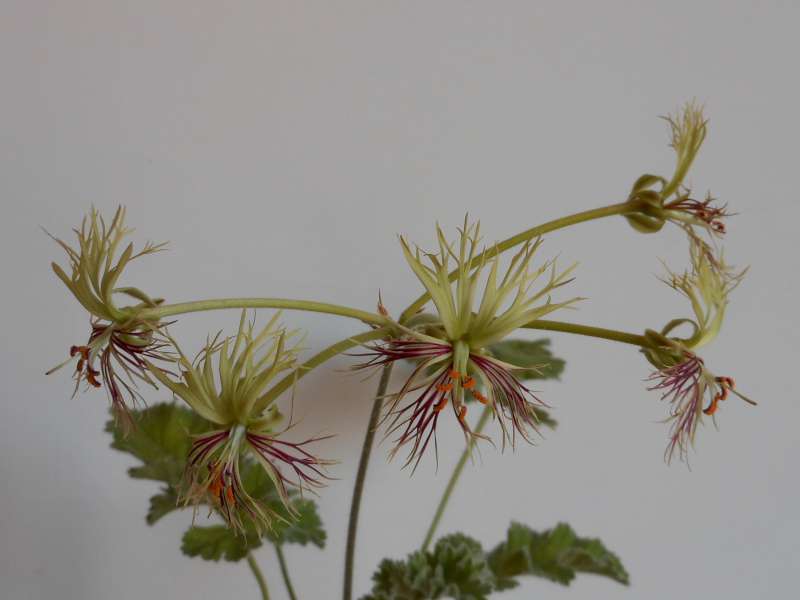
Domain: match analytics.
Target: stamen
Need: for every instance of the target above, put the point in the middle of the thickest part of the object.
(468, 384)
(480, 397)
(462, 412)
(441, 405)
(444, 387)
(453, 374)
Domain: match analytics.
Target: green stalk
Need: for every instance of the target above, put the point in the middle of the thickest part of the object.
(262, 583)
(170, 310)
(319, 358)
(587, 215)
(587, 330)
(451, 485)
(285, 572)
(361, 475)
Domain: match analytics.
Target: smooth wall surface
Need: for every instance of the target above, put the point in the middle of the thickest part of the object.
(280, 147)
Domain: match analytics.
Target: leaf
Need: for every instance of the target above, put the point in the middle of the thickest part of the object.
(160, 440)
(162, 504)
(556, 554)
(304, 527)
(217, 542)
(529, 353)
(457, 568)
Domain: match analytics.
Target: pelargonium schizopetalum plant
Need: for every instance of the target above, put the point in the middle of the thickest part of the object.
(224, 445)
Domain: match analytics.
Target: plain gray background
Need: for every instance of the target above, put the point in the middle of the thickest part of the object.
(280, 147)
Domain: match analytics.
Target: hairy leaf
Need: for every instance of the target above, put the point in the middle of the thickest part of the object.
(533, 356)
(303, 527)
(217, 542)
(161, 441)
(162, 504)
(556, 554)
(456, 568)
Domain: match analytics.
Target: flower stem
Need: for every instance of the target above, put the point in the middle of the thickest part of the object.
(170, 310)
(587, 215)
(285, 572)
(448, 491)
(321, 357)
(361, 475)
(587, 330)
(262, 583)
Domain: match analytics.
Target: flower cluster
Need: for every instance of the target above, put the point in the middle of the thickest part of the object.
(660, 199)
(682, 376)
(227, 385)
(121, 342)
(451, 349)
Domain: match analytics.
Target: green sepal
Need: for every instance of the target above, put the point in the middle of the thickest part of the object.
(647, 181)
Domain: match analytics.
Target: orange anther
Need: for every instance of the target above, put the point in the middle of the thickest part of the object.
(462, 412)
(215, 488)
(712, 408)
(441, 405)
(480, 397)
(91, 377)
(468, 384)
(444, 387)
(229, 495)
(453, 374)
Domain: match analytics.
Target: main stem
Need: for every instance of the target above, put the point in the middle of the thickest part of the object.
(587, 215)
(170, 310)
(262, 583)
(361, 475)
(451, 485)
(287, 580)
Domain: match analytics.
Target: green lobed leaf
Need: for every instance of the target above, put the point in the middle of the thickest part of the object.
(456, 568)
(304, 527)
(217, 542)
(162, 504)
(161, 441)
(556, 554)
(533, 354)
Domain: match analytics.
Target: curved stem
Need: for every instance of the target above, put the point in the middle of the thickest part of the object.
(587, 330)
(170, 310)
(262, 583)
(361, 475)
(451, 484)
(285, 572)
(319, 358)
(587, 215)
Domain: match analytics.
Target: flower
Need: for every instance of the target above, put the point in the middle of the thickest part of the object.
(451, 348)
(660, 200)
(120, 341)
(235, 401)
(682, 376)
